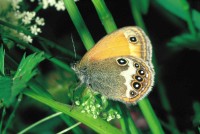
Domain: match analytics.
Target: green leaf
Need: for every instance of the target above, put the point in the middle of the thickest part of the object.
(98, 125)
(2, 53)
(38, 88)
(196, 18)
(5, 90)
(185, 41)
(177, 7)
(180, 8)
(24, 73)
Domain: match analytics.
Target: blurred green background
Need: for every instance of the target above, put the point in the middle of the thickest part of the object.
(173, 27)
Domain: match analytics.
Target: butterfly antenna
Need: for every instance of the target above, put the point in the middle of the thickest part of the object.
(73, 46)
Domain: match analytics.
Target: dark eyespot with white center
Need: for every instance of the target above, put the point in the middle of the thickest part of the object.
(141, 72)
(137, 65)
(136, 85)
(133, 39)
(122, 62)
(132, 93)
(138, 78)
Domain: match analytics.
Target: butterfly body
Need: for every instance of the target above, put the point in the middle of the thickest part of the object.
(119, 66)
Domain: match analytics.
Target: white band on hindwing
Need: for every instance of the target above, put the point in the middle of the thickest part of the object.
(127, 74)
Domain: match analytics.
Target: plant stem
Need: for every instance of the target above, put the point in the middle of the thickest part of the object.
(98, 125)
(12, 114)
(2, 57)
(70, 121)
(150, 116)
(39, 122)
(40, 39)
(132, 127)
(126, 122)
(2, 117)
(79, 23)
(104, 15)
(108, 22)
(49, 57)
(164, 100)
(38, 8)
(56, 46)
(145, 105)
(137, 15)
(69, 128)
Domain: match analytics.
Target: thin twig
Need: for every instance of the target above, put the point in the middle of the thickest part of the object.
(39, 122)
(69, 128)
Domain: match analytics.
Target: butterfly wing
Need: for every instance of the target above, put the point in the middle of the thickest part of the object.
(128, 79)
(125, 41)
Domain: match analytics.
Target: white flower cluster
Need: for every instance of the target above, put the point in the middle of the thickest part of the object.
(58, 4)
(29, 18)
(91, 107)
(25, 19)
(15, 4)
(97, 107)
(31, 22)
(112, 114)
(26, 38)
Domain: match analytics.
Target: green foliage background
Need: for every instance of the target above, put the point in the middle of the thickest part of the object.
(32, 95)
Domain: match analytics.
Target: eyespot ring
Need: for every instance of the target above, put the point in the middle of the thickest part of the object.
(141, 72)
(138, 78)
(132, 93)
(122, 61)
(136, 65)
(136, 85)
(133, 39)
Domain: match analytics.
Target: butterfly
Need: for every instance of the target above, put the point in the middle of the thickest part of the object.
(119, 66)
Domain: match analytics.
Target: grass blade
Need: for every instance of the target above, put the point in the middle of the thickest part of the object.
(104, 15)
(98, 125)
(150, 116)
(79, 23)
(69, 128)
(2, 54)
(39, 122)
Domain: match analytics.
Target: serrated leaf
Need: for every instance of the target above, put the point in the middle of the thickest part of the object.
(196, 18)
(26, 70)
(185, 41)
(2, 53)
(5, 90)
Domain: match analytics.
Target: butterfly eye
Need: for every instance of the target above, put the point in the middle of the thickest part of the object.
(122, 62)
(133, 39)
